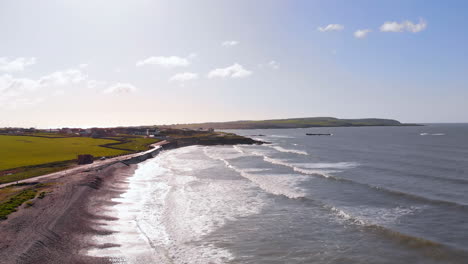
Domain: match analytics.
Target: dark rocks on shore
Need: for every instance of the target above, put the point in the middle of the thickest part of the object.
(212, 140)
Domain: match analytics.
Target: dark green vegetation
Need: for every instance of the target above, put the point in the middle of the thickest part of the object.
(131, 143)
(42, 195)
(293, 123)
(179, 138)
(13, 196)
(16, 201)
(23, 157)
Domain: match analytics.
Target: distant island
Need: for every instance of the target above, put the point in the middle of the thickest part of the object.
(292, 123)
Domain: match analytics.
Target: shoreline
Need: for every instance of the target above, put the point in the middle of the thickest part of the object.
(58, 228)
(55, 228)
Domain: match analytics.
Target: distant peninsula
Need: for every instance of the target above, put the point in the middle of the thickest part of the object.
(292, 123)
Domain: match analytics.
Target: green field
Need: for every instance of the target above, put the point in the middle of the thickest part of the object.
(135, 143)
(19, 151)
(23, 157)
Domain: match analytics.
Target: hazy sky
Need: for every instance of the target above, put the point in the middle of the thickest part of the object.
(137, 62)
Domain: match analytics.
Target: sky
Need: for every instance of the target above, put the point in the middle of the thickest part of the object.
(102, 63)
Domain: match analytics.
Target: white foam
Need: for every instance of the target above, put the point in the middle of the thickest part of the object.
(134, 245)
(225, 152)
(167, 211)
(277, 184)
(335, 165)
(196, 210)
(280, 136)
(295, 151)
(433, 134)
(319, 169)
(238, 149)
(364, 215)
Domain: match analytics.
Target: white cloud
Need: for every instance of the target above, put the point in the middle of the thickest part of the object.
(331, 27)
(274, 65)
(83, 65)
(362, 33)
(19, 92)
(16, 65)
(230, 43)
(233, 71)
(120, 88)
(393, 26)
(167, 62)
(70, 76)
(183, 77)
(10, 86)
(13, 90)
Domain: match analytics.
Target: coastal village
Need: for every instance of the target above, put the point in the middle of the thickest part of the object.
(146, 131)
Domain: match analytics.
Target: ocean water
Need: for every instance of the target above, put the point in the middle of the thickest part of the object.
(363, 195)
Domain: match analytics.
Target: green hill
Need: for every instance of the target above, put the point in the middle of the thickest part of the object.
(293, 123)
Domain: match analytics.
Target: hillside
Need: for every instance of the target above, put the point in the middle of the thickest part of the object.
(292, 123)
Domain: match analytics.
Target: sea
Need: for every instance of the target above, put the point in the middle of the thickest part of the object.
(361, 195)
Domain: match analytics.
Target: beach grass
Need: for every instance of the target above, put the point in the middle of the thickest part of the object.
(16, 201)
(13, 196)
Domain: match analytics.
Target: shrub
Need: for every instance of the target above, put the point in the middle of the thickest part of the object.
(42, 195)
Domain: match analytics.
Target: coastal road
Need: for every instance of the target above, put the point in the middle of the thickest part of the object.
(82, 168)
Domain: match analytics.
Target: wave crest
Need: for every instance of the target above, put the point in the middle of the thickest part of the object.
(295, 151)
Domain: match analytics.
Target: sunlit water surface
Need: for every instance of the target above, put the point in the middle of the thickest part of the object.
(363, 195)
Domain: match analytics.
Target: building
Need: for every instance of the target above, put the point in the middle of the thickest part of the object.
(144, 131)
(153, 132)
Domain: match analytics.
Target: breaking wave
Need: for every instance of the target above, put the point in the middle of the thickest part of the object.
(277, 184)
(295, 151)
(433, 134)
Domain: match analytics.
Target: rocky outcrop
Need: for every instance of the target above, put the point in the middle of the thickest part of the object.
(211, 141)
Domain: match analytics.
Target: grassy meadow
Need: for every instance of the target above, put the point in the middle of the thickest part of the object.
(135, 143)
(23, 157)
(19, 151)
